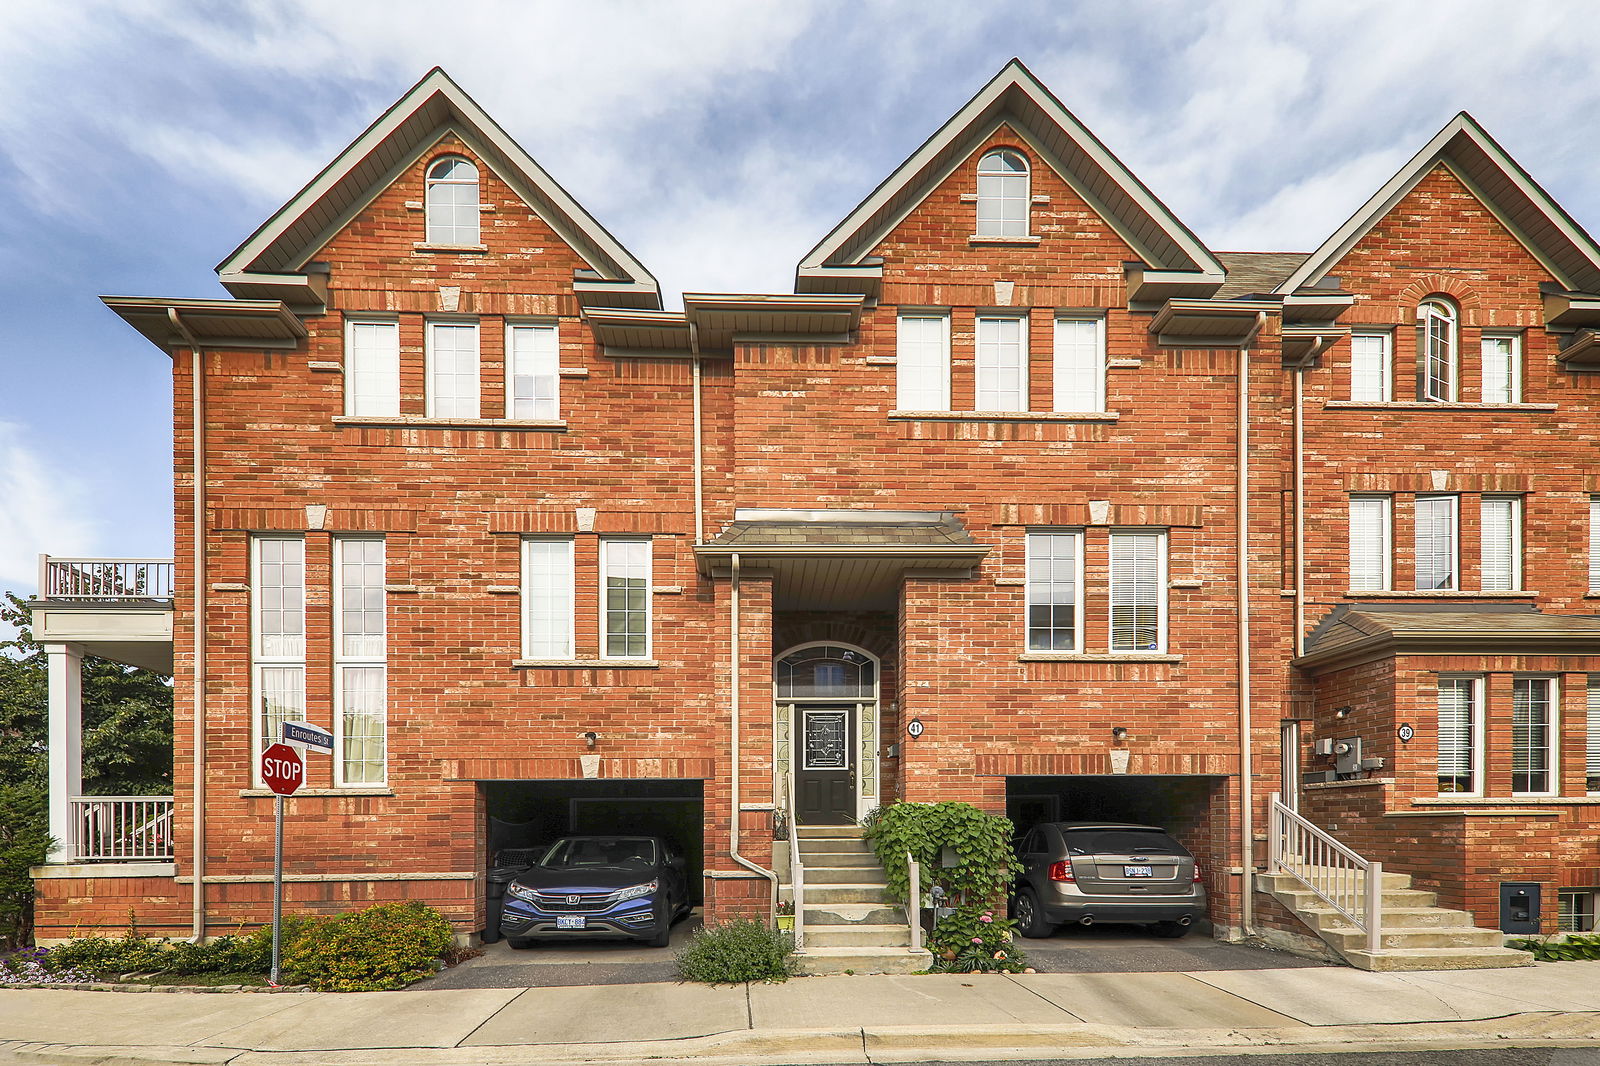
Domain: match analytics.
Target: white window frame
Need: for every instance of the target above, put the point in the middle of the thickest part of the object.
(550, 368)
(1384, 550)
(345, 662)
(1552, 735)
(1161, 538)
(356, 402)
(1584, 910)
(1591, 761)
(260, 661)
(1005, 221)
(1436, 319)
(1454, 502)
(1489, 530)
(994, 366)
(606, 546)
(916, 374)
(431, 368)
(433, 229)
(1077, 364)
(1594, 544)
(564, 599)
(1475, 724)
(1372, 384)
(1035, 537)
(1511, 392)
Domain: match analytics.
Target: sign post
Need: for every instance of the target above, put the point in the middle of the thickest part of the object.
(283, 770)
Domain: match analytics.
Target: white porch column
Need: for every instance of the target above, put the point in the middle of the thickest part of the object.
(66, 745)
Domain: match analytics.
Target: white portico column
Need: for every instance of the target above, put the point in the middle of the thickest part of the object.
(66, 745)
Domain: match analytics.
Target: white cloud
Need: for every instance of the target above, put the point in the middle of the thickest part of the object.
(46, 509)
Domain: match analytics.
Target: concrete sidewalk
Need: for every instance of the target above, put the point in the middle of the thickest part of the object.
(819, 1019)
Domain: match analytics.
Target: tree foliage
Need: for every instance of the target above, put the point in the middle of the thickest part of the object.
(980, 842)
(127, 750)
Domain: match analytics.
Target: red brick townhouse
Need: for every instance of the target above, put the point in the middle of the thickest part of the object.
(1023, 497)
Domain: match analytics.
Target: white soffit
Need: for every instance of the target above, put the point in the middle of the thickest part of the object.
(1506, 190)
(1016, 97)
(436, 105)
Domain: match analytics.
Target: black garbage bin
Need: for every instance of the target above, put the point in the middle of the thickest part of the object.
(509, 863)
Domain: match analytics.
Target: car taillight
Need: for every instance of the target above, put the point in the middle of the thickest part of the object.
(1061, 871)
(1198, 876)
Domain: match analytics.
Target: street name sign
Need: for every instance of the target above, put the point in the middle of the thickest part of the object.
(304, 734)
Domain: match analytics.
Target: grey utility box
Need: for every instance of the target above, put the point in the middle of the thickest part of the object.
(1519, 906)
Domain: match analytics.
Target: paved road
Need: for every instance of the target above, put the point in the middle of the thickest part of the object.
(1493, 1057)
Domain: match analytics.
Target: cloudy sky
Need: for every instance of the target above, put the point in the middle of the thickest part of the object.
(141, 140)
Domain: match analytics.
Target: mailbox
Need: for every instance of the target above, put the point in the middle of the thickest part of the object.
(1519, 906)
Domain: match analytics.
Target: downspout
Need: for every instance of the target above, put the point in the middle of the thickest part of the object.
(733, 824)
(699, 498)
(1320, 345)
(1242, 550)
(197, 537)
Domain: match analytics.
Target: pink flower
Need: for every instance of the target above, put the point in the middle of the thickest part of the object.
(986, 919)
(977, 940)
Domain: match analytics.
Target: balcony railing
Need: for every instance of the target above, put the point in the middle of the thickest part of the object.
(122, 828)
(105, 580)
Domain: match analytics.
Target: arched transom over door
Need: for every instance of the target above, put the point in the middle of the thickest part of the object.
(826, 731)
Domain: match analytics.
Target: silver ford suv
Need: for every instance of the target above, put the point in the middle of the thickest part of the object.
(1089, 872)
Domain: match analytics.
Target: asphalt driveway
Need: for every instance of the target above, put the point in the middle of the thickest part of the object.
(1132, 949)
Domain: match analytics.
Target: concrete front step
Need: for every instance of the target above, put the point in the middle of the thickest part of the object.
(819, 937)
(858, 892)
(1346, 939)
(860, 960)
(809, 848)
(843, 875)
(1324, 918)
(812, 832)
(1413, 959)
(1303, 899)
(839, 859)
(851, 914)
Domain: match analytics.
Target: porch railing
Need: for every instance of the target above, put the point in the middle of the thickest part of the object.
(105, 580)
(797, 874)
(1335, 874)
(122, 828)
(914, 901)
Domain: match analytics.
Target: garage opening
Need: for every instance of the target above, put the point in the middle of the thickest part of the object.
(530, 815)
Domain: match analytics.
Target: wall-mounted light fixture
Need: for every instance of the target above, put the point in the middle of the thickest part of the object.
(1342, 712)
(1119, 732)
(589, 738)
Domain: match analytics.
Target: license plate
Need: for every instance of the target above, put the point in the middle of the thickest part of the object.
(1137, 871)
(570, 921)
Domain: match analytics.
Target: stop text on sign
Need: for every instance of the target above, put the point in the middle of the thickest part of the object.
(283, 769)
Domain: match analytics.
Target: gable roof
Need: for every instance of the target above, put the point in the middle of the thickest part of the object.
(433, 107)
(1525, 209)
(1353, 633)
(1015, 97)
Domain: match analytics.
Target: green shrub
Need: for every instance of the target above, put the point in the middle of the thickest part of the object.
(974, 939)
(981, 842)
(735, 952)
(107, 958)
(386, 946)
(1576, 947)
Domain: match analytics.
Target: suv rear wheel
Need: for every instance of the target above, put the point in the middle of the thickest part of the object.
(1030, 916)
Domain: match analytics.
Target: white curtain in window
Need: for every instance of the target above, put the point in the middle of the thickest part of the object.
(922, 363)
(547, 595)
(452, 370)
(1530, 735)
(1002, 364)
(1369, 367)
(1369, 543)
(1456, 743)
(1436, 542)
(363, 723)
(1501, 372)
(372, 369)
(1138, 589)
(534, 376)
(1594, 544)
(1501, 532)
(1080, 364)
(280, 597)
(280, 698)
(361, 597)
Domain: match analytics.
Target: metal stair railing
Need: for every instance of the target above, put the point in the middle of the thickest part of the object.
(914, 901)
(1335, 874)
(797, 874)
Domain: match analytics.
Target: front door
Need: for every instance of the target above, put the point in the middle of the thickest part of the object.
(824, 761)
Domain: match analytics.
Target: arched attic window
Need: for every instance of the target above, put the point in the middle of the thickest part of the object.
(1438, 363)
(1003, 194)
(452, 201)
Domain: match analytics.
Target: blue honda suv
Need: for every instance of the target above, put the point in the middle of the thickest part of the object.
(624, 886)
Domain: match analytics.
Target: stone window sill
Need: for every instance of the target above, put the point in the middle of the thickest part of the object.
(451, 249)
(353, 790)
(979, 239)
(1432, 405)
(1095, 657)
(1502, 801)
(1366, 782)
(1007, 416)
(585, 664)
(103, 869)
(426, 422)
(1441, 594)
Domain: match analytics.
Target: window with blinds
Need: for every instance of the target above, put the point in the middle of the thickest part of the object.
(922, 363)
(1370, 373)
(1369, 543)
(360, 661)
(1502, 369)
(533, 373)
(1080, 364)
(1532, 736)
(1435, 531)
(452, 358)
(278, 624)
(1458, 734)
(1138, 592)
(1055, 591)
(1500, 530)
(547, 598)
(1002, 364)
(1591, 758)
(372, 369)
(1594, 544)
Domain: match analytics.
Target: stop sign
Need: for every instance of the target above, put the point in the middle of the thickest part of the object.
(283, 769)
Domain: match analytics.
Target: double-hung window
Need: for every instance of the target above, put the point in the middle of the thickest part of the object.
(360, 661)
(1437, 365)
(625, 599)
(1369, 543)
(278, 638)
(1435, 542)
(1370, 366)
(372, 368)
(922, 362)
(1138, 591)
(1055, 591)
(1003, 194)
(1002, 363)
(547, 598)
(1080, 364)
(1591, 752)
(1594, 544)
(1500, 530)
(1460, 707)
(452, 369)
(1502, 369)
(1533, 736)
(533, 373)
